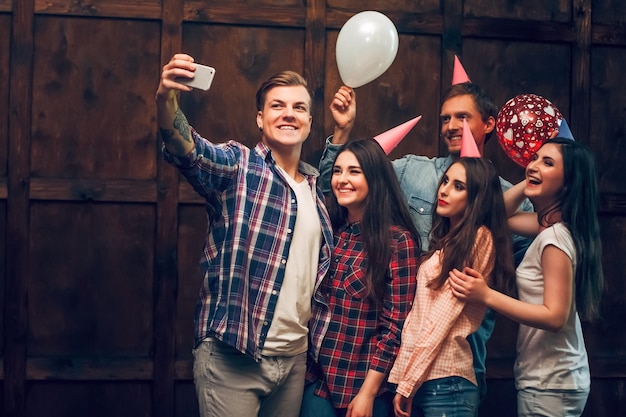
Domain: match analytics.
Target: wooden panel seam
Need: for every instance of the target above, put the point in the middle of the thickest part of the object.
(608, 35)
(18, 226)
(3, 189)
(201, 11)
(581, 70)
(166, 255)
(540, 31)
(132, 191)
(141, 368)
(406, 22)
(314, 67)
(110, 8)
(89, 369)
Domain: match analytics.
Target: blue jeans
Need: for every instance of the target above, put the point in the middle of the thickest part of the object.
(451, 397)
(314, 406)
(229, 383)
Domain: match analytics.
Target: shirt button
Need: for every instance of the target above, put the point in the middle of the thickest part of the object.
(274, 292)
(293, 201)
(265, 323)
(283, 261)
(289, 231)
(421, 209)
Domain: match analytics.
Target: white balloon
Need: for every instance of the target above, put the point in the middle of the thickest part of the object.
(366, 47)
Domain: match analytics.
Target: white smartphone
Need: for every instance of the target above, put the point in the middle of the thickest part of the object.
(202, 78)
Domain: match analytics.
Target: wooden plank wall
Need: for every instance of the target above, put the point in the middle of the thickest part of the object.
(102, 241)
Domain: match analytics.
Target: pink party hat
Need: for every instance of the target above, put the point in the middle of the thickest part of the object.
(459, 75)
(468, 143)
(389, 140)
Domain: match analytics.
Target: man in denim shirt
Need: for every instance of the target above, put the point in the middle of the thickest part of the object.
(419, 175)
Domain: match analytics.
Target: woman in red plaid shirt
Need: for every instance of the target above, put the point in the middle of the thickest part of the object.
(369, 288)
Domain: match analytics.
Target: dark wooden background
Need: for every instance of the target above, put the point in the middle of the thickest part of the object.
(99, 261)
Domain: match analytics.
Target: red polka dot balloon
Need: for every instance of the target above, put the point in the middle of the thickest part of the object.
(524, 123)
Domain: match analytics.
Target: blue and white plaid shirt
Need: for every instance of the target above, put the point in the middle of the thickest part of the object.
(252, 212)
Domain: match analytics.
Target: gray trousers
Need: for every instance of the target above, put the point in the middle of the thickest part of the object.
(550, 403)
(229, 383)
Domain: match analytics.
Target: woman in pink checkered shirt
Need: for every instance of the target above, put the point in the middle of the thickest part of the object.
(434, 368)
(560, 279)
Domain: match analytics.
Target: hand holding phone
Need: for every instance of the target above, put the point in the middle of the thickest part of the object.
(202, 79)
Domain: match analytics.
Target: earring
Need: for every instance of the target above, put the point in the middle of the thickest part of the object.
(261, 128)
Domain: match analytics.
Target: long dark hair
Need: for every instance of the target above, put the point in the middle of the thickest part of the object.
(485, 207)
(385, 206)
(578, 203)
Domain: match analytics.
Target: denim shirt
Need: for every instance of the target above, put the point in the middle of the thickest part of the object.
(419, 179)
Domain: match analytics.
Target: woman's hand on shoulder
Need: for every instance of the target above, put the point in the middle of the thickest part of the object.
(468, 285)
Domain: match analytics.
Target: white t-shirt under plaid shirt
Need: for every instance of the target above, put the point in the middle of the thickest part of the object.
(252, 211)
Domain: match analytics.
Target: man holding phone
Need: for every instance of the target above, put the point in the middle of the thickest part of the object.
(268, 248)
(202, 77)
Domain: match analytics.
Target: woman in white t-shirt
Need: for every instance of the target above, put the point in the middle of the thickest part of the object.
(559, 279)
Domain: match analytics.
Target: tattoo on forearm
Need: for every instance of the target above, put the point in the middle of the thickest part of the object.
(167, 135)
(182, 125)
(173, 144)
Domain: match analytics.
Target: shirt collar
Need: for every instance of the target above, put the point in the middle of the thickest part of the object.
(352, 228)
(266, 153)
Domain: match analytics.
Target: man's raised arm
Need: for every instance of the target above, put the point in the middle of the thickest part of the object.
(173, 125)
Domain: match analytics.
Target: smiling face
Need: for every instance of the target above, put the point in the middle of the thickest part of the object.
(350, 185)
(453, 111)
(544, 176)
(286, 117)
(452, 194)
